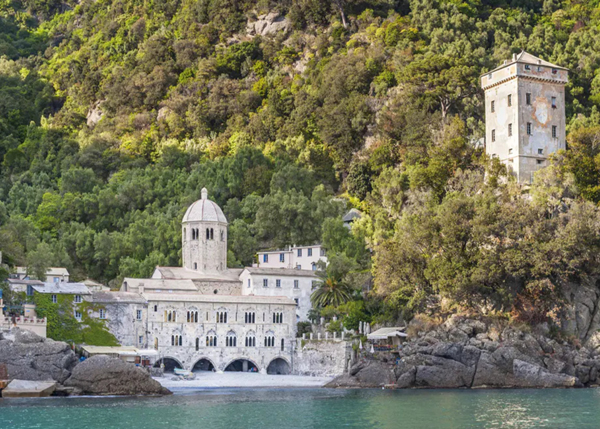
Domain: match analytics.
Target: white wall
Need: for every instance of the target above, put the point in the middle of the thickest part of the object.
(302, 293)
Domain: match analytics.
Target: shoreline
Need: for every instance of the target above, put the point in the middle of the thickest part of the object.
(210, 380)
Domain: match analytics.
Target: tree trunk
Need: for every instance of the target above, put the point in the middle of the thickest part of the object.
(340, 6)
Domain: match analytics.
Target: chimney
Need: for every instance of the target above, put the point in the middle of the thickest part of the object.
(514, 57)
(141, 288)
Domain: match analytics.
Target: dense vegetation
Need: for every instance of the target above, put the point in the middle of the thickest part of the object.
(115, 113)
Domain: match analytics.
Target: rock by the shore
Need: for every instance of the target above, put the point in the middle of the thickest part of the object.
(465, 353)
(103, 375)
(28, 389)
(27, 356)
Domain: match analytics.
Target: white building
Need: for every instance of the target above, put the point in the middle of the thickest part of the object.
(525, 113)
(53, 274)
(295, 257)
(203, 315)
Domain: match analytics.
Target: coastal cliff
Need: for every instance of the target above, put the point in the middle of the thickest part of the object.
(27, 356)
(483, 353)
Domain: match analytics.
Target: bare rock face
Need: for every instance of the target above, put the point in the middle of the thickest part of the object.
(470, 354)
(268, 24)
(27, 356)
(103, 375)
(95, 114)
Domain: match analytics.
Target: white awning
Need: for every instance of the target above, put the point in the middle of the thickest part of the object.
(385, 333)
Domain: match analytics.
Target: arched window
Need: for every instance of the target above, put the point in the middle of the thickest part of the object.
(185, 234)
(277, 317)
(231, 339)
(207, 234)
(197, 344)
(180, 340)
(270, 339)
(250, 339)
(222, 316)
(211, 339)
(196, 317)
(222, 235)
(195, 265)
(250, 317)
(282, 344)
(212, 234)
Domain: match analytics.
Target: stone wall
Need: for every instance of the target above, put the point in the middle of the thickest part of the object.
(322, 357)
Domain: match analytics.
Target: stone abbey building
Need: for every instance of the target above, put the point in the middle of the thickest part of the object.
(525, 113)
(205, 315)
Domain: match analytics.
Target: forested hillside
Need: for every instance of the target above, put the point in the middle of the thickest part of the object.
(115, 113)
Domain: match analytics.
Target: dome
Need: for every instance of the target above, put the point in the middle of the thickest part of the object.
(204, 210)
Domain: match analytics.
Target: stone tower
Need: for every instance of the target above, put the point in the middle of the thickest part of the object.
(204, 237)
(524, 113)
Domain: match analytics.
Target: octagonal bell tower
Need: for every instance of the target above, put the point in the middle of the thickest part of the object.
(204, 236)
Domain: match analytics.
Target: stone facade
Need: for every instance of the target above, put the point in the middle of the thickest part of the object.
(126, 316)
(204, 237)
(525, 113)
(295, 284)
(221, 329)
(322, 357)
(199, 316)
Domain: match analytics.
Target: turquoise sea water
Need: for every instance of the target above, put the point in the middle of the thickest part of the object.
(313, 408)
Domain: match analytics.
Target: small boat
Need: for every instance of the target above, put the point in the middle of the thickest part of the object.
(183, 372)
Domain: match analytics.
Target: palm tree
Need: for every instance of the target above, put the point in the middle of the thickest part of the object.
(331, 291)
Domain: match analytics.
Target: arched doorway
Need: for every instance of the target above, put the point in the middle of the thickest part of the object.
(241, 365)
(170, 364)
(203, 365)
(279, 367)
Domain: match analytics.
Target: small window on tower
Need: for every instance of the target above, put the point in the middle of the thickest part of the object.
(540, 161)
(509, 130)
(493, 135)
(493, 106)
(554, 71)
(528, 128)
(553, 131)
(540, 151)
(510, 151)
(509, 100)
(528, 99)
(527, 67)
(554, 102)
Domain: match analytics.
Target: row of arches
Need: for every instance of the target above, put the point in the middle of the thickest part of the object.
(250, 317)
(277, 366)
(192, 317)
(277, 317)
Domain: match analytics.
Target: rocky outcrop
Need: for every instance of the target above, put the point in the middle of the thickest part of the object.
(465, 353)
(30, 357)
(268, 24)
(103, 375)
